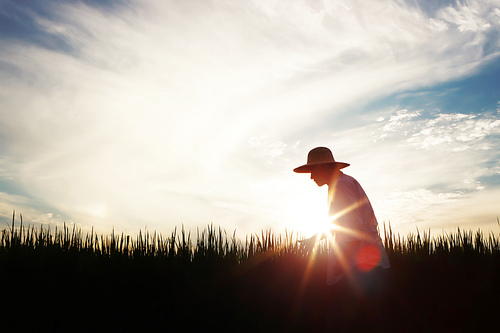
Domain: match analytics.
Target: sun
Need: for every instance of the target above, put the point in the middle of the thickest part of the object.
(319, 226)
(309, 217)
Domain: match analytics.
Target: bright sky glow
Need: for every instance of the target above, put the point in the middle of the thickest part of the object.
(162, 113)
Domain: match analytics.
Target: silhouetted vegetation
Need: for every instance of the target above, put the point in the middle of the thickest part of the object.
(67, 280)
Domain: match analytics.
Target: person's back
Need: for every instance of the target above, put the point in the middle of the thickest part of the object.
(357, 240)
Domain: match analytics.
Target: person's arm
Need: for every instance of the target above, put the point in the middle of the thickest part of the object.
(310, 242)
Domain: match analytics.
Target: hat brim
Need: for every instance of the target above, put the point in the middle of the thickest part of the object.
(307, 168)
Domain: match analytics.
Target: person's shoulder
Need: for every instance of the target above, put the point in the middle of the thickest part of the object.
(346, 178)
(347, 181)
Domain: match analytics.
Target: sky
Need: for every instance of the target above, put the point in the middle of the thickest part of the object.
(160, 114)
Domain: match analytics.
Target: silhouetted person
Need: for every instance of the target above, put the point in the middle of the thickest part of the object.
(357, 257)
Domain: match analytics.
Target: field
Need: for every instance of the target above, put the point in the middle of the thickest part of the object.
(67, 280)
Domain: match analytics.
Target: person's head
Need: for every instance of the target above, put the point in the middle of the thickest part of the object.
(321, 165)
(323, 174)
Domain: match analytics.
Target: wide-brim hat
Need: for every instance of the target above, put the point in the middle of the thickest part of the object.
(319, 156)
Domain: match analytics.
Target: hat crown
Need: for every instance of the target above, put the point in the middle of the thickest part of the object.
(320, 155)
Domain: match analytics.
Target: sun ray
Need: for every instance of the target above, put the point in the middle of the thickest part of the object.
(330, 234)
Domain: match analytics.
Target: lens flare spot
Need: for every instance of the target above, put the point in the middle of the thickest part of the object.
(368, 258)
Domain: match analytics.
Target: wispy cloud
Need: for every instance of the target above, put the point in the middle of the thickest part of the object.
(464, 132)
(431, 163)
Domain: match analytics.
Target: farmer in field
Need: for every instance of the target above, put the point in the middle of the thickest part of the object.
(357, 256)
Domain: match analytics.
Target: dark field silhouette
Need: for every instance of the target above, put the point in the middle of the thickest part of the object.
(65, 280)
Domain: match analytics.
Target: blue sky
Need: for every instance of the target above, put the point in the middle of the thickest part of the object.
(160, 113)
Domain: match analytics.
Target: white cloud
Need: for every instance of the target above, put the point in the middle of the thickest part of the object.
(432, 164)
(461, 131)
(399, 120)
(457, 131)
(30, 209)
(272, 149)
(421, 205)
(471, 16)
